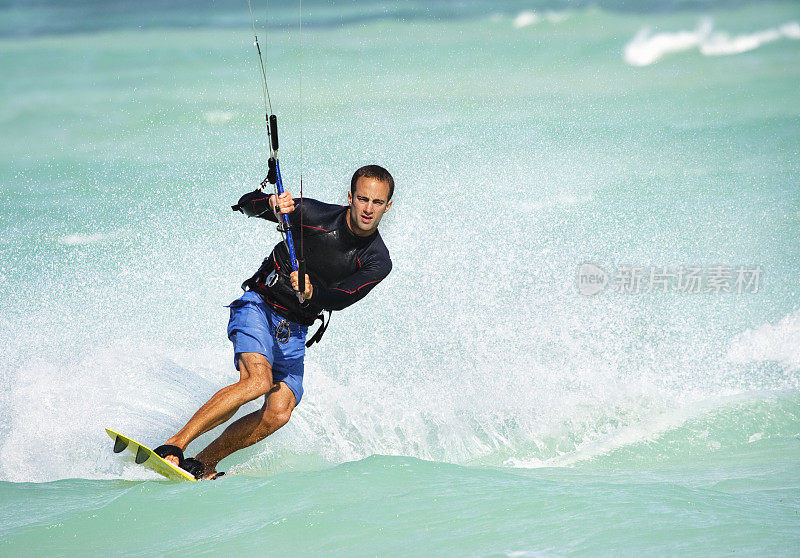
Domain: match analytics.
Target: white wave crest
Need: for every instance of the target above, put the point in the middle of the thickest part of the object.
(646, 49)
(524, 19)
(720, 44)
(527, 18)
(776, 343)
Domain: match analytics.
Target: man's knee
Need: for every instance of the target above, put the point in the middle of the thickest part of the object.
(272, 420)
(278, 407)
(276, 418)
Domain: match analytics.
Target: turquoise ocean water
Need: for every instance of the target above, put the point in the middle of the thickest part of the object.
(478, 402)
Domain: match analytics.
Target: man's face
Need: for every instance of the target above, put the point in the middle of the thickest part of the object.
(367, 205)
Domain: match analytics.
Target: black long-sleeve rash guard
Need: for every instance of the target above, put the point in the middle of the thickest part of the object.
(341, 266)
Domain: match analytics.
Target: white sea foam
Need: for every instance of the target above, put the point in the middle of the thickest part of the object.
(125, 386)
(694, 421)
(649, 428)
(720, 44)
(646, 48)
(524, 19)
(528, 18)
(556, 17)
(79, 239)
(217, 116)
(769, 343)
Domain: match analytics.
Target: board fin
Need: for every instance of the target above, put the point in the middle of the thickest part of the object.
(119, 444)
(141, 455)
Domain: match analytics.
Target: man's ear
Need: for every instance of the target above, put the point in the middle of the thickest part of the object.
(349, 197)
(388, 206)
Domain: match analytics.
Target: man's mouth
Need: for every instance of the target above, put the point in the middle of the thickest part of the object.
(366, 219)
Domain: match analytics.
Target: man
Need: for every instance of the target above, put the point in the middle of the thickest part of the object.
(345, 258)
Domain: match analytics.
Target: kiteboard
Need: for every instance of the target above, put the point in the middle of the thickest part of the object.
(147, 458)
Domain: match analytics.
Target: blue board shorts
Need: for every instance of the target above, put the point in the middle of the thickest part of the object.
(252, 329)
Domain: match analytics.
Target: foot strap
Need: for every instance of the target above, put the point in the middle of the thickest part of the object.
(168, 451)
(192, 466)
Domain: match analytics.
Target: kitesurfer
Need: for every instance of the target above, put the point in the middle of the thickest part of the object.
(345, 258)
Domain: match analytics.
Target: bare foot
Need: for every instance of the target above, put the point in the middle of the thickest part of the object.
(169, 447)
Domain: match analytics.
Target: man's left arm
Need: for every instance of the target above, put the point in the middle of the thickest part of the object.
(353, 288)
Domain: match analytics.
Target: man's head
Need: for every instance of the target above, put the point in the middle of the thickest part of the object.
(370, 196)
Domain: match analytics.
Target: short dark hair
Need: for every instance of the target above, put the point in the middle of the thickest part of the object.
(373, 171)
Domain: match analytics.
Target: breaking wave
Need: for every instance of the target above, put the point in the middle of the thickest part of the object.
(647, 47)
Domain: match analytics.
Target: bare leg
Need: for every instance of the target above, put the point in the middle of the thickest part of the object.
(254, 381)
(276, 411)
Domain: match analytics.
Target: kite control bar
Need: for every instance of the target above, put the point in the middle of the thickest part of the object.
(274, 177)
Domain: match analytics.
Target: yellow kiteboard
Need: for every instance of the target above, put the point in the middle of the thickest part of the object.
(146, 457)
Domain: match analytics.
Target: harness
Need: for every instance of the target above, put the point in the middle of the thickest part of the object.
(271, 286)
